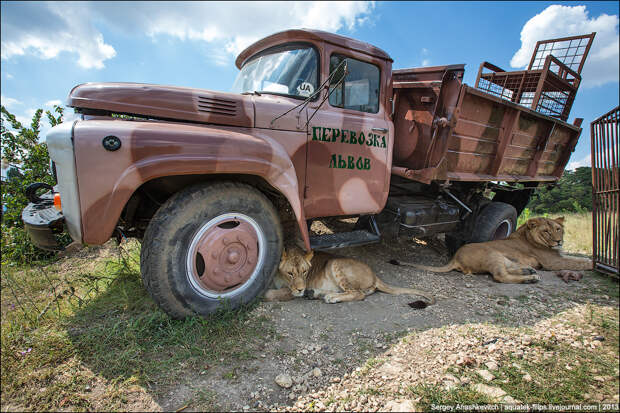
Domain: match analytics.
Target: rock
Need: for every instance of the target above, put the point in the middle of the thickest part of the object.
(400, 406)
(526, 377)
(316, 372)
(600, 379)
(465, 361)
(451, 378)
(449, 385)
(526, 340)
(284, 380)
(297, 379)
(335, 380)
(491, 365)
(485, 374)
(292, 396)
(390, 369)
(509, 400)
(493, 392)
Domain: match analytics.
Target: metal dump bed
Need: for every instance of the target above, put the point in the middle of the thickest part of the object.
(447, 130)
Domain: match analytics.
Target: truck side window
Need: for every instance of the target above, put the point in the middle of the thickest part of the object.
(360, 89)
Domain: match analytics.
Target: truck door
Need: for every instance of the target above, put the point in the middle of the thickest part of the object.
(348, 143)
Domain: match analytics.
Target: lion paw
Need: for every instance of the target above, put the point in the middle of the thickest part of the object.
(533, 279)
(331, 298)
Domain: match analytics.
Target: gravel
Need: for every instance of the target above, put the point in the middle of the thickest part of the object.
(383, 343)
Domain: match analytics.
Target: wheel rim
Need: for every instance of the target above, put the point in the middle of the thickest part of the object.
(503, 230)
(225, 255)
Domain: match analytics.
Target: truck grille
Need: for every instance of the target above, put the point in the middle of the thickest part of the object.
(217, 106)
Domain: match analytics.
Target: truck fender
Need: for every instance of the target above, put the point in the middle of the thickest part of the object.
(151, 150)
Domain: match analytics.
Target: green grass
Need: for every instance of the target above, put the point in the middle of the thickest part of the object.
(104, 330)
(436, 395)
(551, 381)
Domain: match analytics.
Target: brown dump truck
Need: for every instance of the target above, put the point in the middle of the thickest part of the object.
(318, 126)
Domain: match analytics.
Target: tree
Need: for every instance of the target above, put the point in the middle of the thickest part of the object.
(572, 193)
(21, 146)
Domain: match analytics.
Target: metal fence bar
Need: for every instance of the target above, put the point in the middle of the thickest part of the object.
(605, 150)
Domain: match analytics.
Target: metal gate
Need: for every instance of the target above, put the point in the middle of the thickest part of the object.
(606, 192)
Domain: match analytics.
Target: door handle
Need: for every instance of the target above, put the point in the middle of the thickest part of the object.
(382, 130)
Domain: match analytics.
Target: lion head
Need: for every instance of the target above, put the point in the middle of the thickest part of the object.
(544, 232)
(294, 268)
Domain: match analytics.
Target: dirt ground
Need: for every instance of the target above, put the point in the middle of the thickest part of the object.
(320, 344)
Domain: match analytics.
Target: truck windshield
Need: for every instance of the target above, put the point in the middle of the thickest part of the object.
(290, 70)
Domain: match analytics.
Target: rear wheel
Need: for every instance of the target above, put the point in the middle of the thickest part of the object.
(211, 246)
(496, 221)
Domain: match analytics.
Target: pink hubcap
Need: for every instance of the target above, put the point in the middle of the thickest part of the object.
(226, 255)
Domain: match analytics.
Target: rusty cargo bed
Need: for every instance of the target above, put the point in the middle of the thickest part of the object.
(447, 130)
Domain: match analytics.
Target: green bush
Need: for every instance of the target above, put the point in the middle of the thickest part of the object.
(21, 146)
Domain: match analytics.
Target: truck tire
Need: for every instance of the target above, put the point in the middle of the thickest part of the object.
(210, 246)
(453, 243)
(496, 221)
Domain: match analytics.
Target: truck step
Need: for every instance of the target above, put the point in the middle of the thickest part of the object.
(343, 239)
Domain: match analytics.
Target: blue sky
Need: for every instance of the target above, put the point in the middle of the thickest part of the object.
(47, 48)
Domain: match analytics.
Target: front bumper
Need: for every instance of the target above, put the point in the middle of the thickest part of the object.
(42, 221)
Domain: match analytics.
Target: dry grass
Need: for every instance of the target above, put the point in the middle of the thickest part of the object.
(83, 334)
(577, 233)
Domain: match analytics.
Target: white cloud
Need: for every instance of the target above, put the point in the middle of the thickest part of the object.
(9, 102)
(586, 161)
(9, 76)
(426, 62)
(47, 29)
(229, 27)
(51, 103)
(560, 21)
(25, 118)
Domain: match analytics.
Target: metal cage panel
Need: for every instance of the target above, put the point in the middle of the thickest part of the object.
(606, 192)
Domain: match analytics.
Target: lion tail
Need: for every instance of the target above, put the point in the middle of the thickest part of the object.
(381, 286)
(446, 268)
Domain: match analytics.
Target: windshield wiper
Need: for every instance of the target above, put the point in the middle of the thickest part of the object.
(343, 66)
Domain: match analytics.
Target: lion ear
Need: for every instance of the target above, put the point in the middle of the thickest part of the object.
(532, 223)
(283, 253)
(309, 255)
(560, 220)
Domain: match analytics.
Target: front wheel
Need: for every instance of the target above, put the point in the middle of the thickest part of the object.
(210, 246)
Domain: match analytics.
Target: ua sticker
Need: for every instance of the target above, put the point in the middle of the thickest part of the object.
(305, 89)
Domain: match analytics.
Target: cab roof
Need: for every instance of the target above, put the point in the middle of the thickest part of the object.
(307, 34)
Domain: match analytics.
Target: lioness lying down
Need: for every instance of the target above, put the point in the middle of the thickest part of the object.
(334, 279)
(536, 244)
